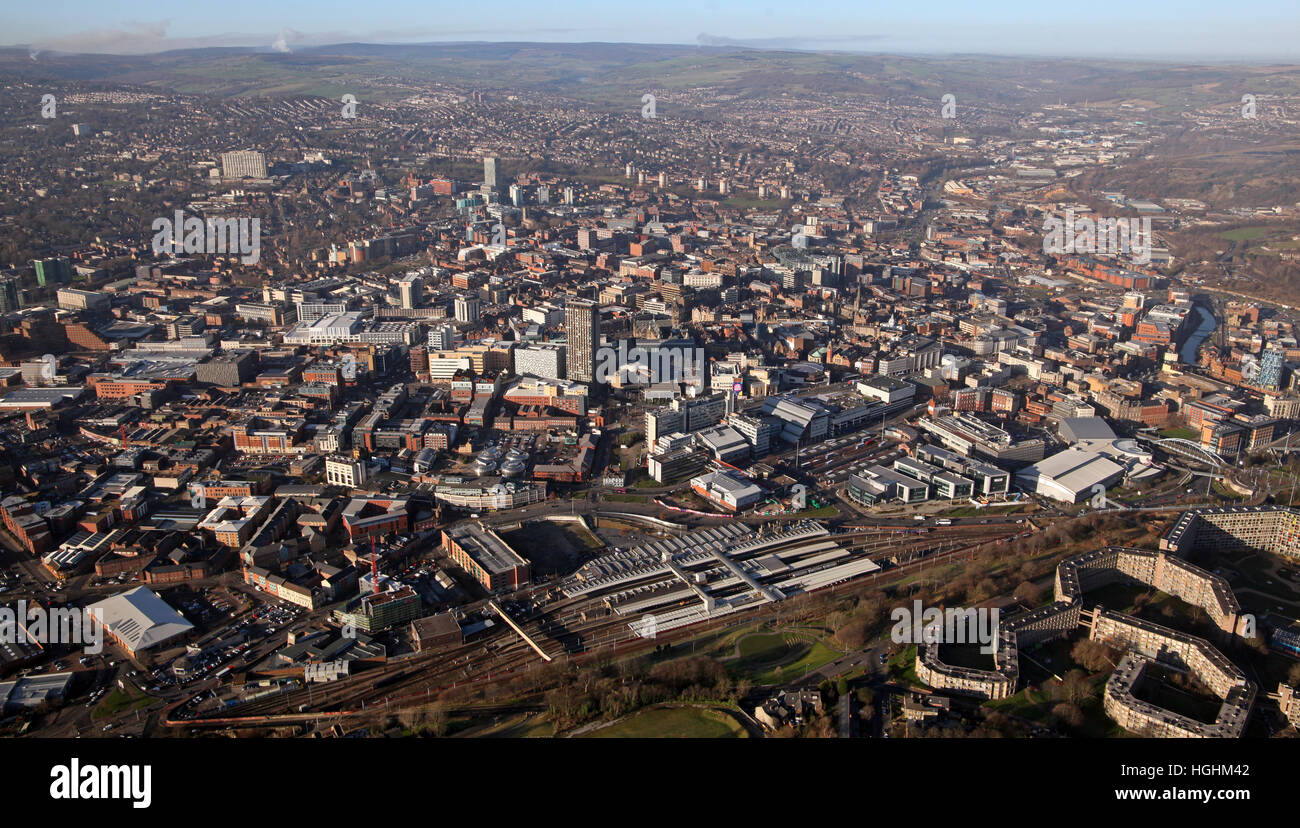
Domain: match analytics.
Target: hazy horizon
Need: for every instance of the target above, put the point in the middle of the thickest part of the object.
(1254, 31)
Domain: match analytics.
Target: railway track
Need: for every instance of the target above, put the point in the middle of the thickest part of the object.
(424, 676)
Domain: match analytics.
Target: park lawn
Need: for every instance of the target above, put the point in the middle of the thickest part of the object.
(672, 723)
(750, 203)
(120, 701)
(1026, 704)
(771, 658)
(815, 657)
(902, 666)
(1226, 492)
(764, 647)
(855, 673)
(723, 642)
(1244, 233)
(823, 512)
(526, 726)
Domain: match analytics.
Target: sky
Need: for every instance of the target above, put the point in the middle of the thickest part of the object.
(1243, 30)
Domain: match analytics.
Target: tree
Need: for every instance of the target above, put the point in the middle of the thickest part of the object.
(826, 688)
(1068, 713)
(1257, 644)
(1075, 687)
(1293, 675)
(1029, 593)
(1093, 655)
(820, 728)
(853, 635)
(427, 718)
(985, 589)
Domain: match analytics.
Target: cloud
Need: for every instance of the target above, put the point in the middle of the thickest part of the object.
(136, 37)
(817, 42)
(282, 40)
(132, 37)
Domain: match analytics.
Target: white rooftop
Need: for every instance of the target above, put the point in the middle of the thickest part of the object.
(140, 619)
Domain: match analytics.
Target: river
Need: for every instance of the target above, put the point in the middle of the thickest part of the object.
(1207, 326)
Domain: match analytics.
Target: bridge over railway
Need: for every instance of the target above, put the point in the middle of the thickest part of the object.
(1190, 450)
(527, 640)
(422, 677)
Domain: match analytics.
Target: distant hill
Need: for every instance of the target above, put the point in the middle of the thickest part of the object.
(602, 71)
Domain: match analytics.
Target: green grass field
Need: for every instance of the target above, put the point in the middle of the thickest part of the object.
(673, 723)
(902, 666)
(772, 658)
(823, 512)
(525, 726)
(1027, 704)
(651, 483)
(1244, 233)
(121, 701)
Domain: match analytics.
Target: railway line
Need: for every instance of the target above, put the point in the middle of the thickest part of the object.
(561, 628)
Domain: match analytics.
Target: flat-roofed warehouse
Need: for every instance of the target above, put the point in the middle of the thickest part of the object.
(441, 630)
(41, 397)
(30, 692)
(138, 619)
(482, 553)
